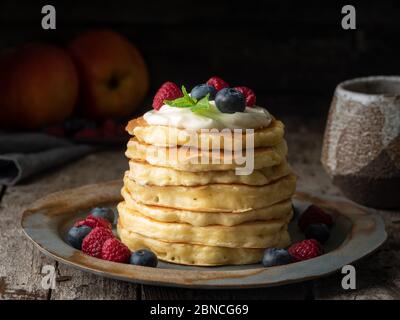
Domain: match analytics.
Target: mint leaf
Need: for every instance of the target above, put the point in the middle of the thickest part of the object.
(208, 113)
(186, 95)
(183, 102)
(202, 104)
(200, 107)
(204, 109)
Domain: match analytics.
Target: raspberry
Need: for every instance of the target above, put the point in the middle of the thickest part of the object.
(248, 94)
(73, 125)
(55, 131)
(168, 91)
(305, 250)
(87, 133)
(312, 215)
(94, 222)
(115, 250)
(217, 83)
(109, 128)
(121, 130)
(93, 242)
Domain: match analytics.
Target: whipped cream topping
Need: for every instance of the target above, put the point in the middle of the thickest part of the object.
(252, 118)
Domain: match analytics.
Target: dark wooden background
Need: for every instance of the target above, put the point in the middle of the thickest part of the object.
(293, 53)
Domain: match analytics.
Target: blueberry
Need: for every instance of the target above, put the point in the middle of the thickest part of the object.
(229, 100)
(76, 235)
(145, 258)
(105, 213)
(276, 257)
(201, 90)
(317, 231)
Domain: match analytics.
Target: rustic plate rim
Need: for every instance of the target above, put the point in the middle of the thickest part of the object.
(209, 278)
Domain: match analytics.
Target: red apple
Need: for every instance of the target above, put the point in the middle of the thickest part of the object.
(38, 86)
(114, 77)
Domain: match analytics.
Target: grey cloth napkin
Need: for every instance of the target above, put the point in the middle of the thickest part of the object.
(25, 154)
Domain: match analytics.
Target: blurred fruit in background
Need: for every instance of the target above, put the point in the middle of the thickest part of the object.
(113, 75)
(38, 86)
(84, 93)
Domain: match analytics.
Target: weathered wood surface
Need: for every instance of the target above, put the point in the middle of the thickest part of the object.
(378, 276)
(21, 263)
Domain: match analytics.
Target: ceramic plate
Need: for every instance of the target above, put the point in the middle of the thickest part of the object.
(357, 232)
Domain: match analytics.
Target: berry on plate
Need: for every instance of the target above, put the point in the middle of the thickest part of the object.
(93, 222)
(105, 213)
(249, 95)
(144, 258)
(168, 91)
(318, 231)
(314, 214)
(276, 257)
(93, 242)
(76, 235)
(230, 100)
(114, 250)
(201, 90)
(306, 249)
(217, 83)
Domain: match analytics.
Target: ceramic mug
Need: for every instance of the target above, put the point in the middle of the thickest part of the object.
(361, 148)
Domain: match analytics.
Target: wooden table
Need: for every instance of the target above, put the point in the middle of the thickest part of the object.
(378, 276)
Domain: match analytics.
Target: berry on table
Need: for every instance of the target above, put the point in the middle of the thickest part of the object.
(114, 250)
(104, 213)
(317, 231)
(57, 131)
(217, 83)
(168, 91)
(249, 95)
(87, 133)
(306, 249)
(93, 222)
(73, 125)
(76, 235)
(276, 257)
(201, 90)
(230, 100)
(144, 258)
(314, 214)
(109, 128)
(93, 242)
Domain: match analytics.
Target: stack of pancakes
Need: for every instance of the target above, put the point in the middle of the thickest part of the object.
(204, 213)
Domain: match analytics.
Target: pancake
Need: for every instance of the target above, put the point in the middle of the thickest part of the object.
(146, 174)
(198, 255)
(255, 234)
(213, 197)
(206, 197)
(194, 160)
(172, 136)
(281, 210)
